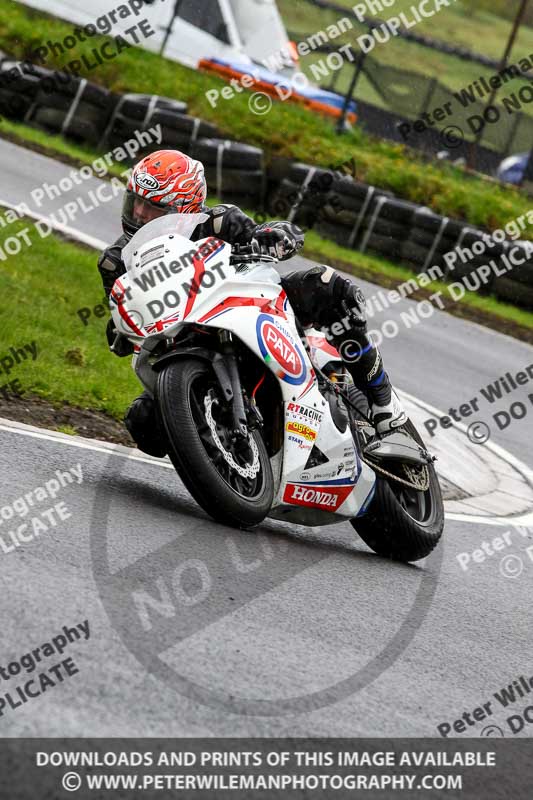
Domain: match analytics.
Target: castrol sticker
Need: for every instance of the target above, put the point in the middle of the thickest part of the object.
(280, 351)
(300, 429)
(328, 498)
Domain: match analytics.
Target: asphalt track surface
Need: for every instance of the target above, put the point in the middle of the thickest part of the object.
(290, 631)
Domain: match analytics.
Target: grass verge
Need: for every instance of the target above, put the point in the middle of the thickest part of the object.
(47, 284)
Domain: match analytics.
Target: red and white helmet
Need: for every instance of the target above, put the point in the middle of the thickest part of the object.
(165, 182)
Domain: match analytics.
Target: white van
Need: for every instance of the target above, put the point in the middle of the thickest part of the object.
(230, 30)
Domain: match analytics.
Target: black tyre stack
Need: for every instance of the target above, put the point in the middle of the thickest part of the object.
(73, 107)
(346, 211)
(465, 268)
(516, 285)
(386, 226)
(429, 237)
(235, 171)
(365, 218)
(19, 85)
(301, 194)
(139, 112)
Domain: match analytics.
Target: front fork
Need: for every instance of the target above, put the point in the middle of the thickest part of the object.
(227, 372)
(225, 367)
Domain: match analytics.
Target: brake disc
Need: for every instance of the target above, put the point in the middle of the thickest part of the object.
(245, 472)
(419, 476)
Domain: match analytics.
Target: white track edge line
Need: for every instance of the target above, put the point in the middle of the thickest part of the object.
(10, 426)
(73, 233)
(119, 450)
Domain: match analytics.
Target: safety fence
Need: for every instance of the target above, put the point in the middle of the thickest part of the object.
(449, 48)
(435, 143)
(410, 95)
(358, 216)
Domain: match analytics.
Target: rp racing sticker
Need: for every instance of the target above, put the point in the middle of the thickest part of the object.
(280, 351)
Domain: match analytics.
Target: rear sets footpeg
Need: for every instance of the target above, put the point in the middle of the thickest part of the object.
(398, 446)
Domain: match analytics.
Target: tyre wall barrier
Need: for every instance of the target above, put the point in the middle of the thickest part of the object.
(366, 218)
(235, 171)
(19, 85)
(60, 103)
(78, 109)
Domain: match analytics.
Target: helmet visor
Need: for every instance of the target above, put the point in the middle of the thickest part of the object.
(137, 211)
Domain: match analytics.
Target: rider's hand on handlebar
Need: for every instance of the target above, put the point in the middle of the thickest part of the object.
(121, 345)
(277, 243)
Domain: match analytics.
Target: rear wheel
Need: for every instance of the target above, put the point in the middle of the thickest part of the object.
(403, 522)
(229, 477)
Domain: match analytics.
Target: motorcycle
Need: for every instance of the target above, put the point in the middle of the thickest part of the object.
(261, 418)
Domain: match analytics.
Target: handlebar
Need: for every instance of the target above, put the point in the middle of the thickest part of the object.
(241, 253)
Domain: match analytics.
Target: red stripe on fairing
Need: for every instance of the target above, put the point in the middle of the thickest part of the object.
(311, 382)
(122, 311)
(199, 272)
(240, 302)
(321, 343)
(280, 302)
(127, 319)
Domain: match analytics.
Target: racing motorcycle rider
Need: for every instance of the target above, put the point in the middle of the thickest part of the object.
(169, 181)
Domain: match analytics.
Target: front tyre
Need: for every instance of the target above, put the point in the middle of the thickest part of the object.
(230, 478)
(403, 523)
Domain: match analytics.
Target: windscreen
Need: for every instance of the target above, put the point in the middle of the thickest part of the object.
(178, 224)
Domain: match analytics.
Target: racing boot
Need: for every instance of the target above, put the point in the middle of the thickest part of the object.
(364, 363)
(387, 417)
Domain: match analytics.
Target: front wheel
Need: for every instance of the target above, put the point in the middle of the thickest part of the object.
(229, 477)
(404, 523)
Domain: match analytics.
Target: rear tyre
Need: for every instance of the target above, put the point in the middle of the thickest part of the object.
(230, 479)
(403, 524)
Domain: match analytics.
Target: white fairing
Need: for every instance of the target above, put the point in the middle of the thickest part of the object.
(154, 300)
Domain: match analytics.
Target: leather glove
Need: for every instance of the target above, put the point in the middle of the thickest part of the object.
(280, 240)
(123, 346)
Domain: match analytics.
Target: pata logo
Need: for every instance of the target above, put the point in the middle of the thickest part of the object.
(283, 350)
(276, 345)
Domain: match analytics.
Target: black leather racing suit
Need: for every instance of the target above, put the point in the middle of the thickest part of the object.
(319, 296)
